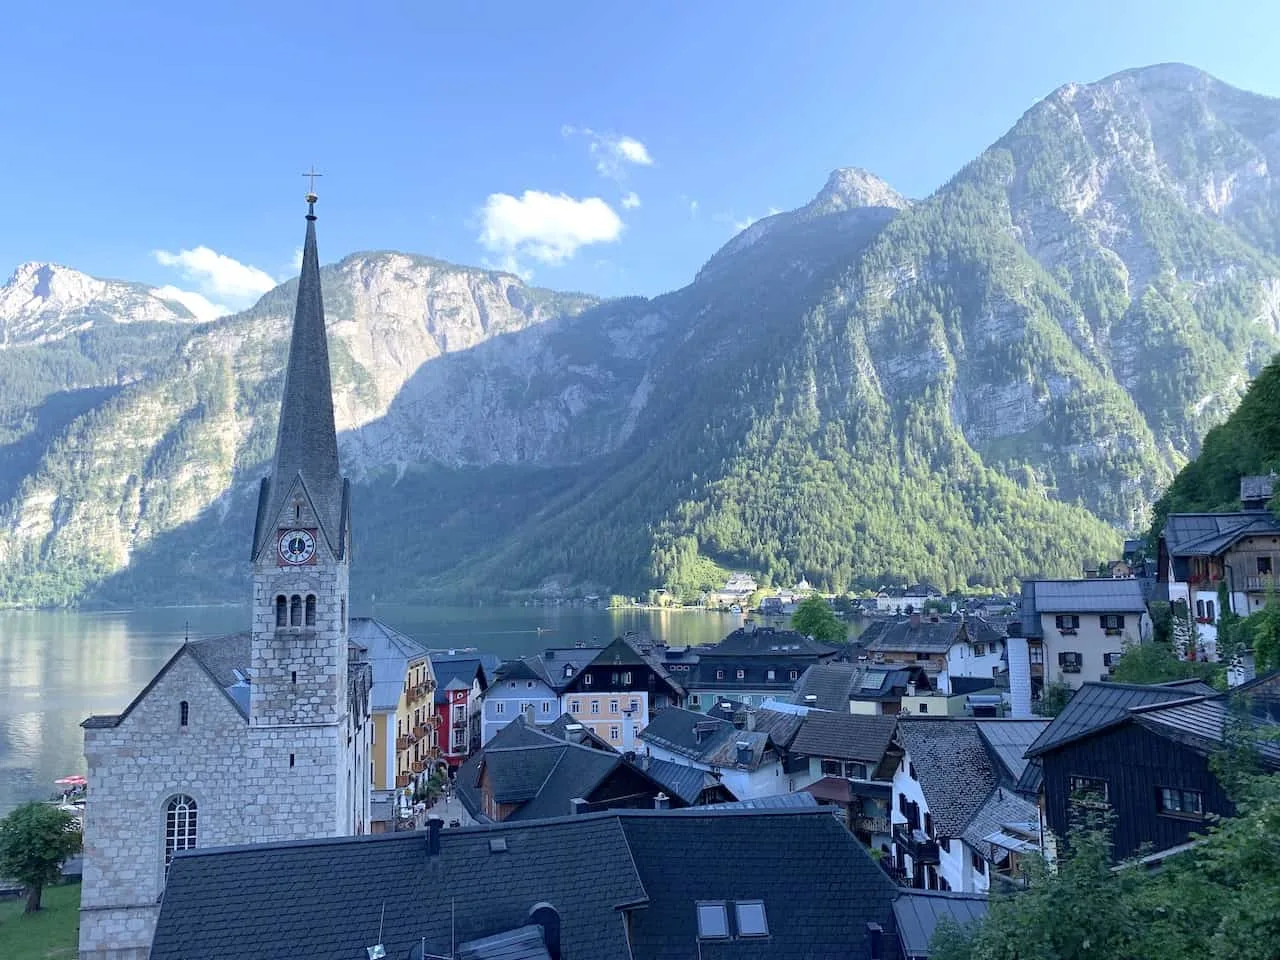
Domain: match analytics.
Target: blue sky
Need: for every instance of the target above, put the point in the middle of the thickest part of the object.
(163, 142)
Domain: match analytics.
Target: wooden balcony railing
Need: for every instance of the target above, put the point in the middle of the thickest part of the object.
(403, 743)
(403, 780)
(419, 766)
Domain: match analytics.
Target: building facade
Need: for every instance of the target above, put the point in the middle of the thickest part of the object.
(255, 737)
(1083, 626)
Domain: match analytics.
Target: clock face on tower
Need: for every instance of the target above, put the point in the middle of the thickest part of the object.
(297, 546)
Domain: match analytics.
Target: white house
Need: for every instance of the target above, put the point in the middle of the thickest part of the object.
(1083, 625)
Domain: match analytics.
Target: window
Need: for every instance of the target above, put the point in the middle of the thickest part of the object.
(719, 674)
(770, 675)
(613, 678)
(512, 684)
(282, 611)
(292, 760)
(1109, 660)
(184, 713)
(546, 707)
(614, 732)
(854, 770)
(742, 674)
(499, 707)
(295, 611)
(1199, 609)
(979, 649)
(979, 865)
(586, 680)
(1069, 661)
(713, 921)
(311, 610)
(751, 919)
(568, 670)
(626, 676)
(595, 706)
(344, 610)
(1112, 621)
(923, 708)
(526, 707)
(529, 685)
(922, 656)
(1208, 611)
(1091, 791)
(944, 844)
(613, 706)
(1264, 566)
(795, 674)
(928, 824)
(575, 706)
(1067, 622)
(1174, 802)
(693, 700)
(831, 768)
(911, 771)
(1037, 653)
(179, 826)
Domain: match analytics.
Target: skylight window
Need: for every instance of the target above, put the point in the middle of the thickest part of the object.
(751, 919)
(713, 920)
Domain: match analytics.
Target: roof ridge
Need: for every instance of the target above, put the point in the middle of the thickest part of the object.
(1166, 704)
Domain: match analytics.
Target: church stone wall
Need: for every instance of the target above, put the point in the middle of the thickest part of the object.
(134, 768)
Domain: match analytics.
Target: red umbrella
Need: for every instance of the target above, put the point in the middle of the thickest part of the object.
(73, 781)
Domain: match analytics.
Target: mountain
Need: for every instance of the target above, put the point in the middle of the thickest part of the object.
(988, 383)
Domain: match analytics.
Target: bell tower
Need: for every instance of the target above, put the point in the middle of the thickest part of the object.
(298, 702)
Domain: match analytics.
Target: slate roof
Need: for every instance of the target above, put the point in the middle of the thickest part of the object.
(1257, 487)
(775, 801)
(455, 673)
(559, 728)
(306, 441)
(544, 779)
(1003, 809)
(835, 684)
(955, 772)
(523, 943)
(918, 912)
(1008, 740)
(1200, 722)
(904, 636)
(766, 641)
(845, 736)
(1085, 596)
(313, 899)
(1209, 534)
(517, 733)
(678, 779)
(675, 730)
(388, 652)
(1097, 705)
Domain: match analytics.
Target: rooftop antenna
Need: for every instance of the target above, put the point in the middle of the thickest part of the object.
(186, 631)
(378, 951)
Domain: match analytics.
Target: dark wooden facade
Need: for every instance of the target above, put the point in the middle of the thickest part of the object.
(1135, 763)
(618, 668)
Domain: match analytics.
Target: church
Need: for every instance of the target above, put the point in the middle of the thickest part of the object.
(254, 737)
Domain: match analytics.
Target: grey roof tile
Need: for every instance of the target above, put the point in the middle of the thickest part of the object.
(388, 652)
(1097, 705)
(922, 637)
(845, 736)
(1084, 596)
(918, 913)
(955, 772)
(1008, 740)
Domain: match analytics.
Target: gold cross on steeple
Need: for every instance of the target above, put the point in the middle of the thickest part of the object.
(311, 186)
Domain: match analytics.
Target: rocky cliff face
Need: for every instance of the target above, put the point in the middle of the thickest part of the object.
(980, 385)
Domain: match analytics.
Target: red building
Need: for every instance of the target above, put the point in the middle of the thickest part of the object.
(460, 680)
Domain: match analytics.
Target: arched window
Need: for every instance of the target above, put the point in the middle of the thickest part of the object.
(179, 826)
(184, 713)
(295, 611)
(282, 611)
(311, 610)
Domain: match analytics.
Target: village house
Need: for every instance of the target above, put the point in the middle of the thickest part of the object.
(751, 760)
(851, 764)
(863, 687)
(944, 647)
(1200, 552)
(524, 685)
(619, 691)
(1146, 753)
(753, 664)
(962, 814)
(605, 886)
(1078, 629)
(527, 772)
(403, 742)
(461, 681)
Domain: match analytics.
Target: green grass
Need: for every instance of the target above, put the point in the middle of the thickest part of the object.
(51, 934)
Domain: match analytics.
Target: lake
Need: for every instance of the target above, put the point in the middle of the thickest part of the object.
(56, 668)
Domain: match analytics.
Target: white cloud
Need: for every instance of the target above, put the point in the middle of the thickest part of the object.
(613, 152)
(201, 307)
(547, 227)
(631, 201)
(218, 275)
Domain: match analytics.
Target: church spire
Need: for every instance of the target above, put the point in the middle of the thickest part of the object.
(306, 441)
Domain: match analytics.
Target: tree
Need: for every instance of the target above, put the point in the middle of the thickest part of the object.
(1156, 663)
(814, 618)
(35, 840)
(1052, 699)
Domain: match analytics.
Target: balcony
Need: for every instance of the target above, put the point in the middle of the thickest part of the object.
(915, 843)
(403, 780)
(1260, 583)
(872, 824)
(403, 743)
(419, 766)
(419, 731)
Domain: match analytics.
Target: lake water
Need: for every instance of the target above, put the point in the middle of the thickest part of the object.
(58, 668)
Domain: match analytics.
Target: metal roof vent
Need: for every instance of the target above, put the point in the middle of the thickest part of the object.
(497, 844)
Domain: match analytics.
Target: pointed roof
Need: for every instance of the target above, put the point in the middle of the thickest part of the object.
(306, 440)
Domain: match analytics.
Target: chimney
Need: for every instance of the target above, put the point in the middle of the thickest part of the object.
(811, 700)
(911, 688)
(548, 918)
(874, 934)
(750, 721)
(529, 716)
(1019, 677)
(744, 752)
(914, 618)
(661, 801)
(628, 730)
(433, 835)
(577, 805)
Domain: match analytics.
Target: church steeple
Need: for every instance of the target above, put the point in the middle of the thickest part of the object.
(306, 440)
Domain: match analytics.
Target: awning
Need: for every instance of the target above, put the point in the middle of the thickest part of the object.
(1008, 841)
